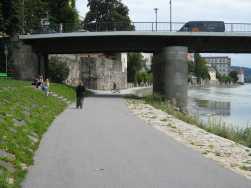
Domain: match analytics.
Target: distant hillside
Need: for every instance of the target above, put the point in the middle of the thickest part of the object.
(246, 70)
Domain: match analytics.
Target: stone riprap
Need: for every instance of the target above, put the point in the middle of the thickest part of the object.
(227, 153)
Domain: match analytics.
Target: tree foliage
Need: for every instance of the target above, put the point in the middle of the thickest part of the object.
(11, 16)
(191, 67)
(16, 14)
(201, 69)
(107, 15)
(135, 64)
(1, 18)
(234, 76)
(34, 12)
(64, 11)
(58, 70)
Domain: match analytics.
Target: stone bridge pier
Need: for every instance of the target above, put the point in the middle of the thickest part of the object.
(28, 63)
(170, 74)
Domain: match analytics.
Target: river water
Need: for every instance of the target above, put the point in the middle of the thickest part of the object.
(230, 105)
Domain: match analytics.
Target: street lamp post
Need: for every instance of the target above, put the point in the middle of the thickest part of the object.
(171, 16)
(23, 17)
(156, 18)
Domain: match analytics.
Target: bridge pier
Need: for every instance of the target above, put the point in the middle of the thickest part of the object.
(24, 59)
(170, 72)
(27, 62)
(43, 61)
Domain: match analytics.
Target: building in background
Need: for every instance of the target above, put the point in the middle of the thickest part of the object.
(241, 77)
(212, 74)
(221, 64)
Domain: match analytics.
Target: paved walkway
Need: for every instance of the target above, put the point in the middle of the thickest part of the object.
(106, 146)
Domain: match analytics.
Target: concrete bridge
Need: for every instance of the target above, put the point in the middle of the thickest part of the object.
(170, 51)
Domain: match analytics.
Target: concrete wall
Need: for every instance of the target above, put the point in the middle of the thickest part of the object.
(96, 70)
(100, 73)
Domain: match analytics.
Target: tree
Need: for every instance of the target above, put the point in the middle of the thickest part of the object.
(107, 15)
(201, 69)
(1, 18)
(34, 12)
(58, 70)
(191, 67)
(135, 64)
(234, 76)
(12, 14)
(64, 11)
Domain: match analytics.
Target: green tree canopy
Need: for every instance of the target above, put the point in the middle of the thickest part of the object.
(11, 16)
(58, 70)
(34, 12)
(191, 66)
(234, 76)
(1, 18)
(107, 15)
(64, 11)
(135, 64)
(201, 69)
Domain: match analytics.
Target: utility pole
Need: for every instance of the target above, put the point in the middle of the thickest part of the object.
(156, 18)
(171, 16)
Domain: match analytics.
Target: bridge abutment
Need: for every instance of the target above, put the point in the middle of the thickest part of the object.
(170, 71)
(27, 62)
(24, 59)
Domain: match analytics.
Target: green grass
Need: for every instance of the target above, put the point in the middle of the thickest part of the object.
(63, 90)
(241, 136)
(19, 102)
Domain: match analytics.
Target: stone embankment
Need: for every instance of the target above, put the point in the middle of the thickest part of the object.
(227, 153)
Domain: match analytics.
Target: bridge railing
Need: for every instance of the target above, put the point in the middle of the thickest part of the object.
(123, 26)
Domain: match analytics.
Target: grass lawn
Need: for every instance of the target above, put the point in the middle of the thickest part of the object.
(25, 115)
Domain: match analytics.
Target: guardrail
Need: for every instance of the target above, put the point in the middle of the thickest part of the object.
(122, 26)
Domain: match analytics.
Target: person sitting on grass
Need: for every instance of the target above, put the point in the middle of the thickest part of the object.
(46, 86)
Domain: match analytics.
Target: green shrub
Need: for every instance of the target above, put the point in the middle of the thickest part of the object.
(58, 70)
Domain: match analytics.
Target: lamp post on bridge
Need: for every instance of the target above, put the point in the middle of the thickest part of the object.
(171, 16)
(156, 18)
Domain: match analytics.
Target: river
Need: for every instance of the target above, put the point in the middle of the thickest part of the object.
(230, 105)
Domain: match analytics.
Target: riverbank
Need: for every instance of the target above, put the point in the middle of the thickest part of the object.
(25, 115)
(226, 152)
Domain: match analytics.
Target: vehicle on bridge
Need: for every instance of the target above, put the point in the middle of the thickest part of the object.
(203, 26)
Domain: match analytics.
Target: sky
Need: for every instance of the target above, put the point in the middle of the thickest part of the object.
(229, 11)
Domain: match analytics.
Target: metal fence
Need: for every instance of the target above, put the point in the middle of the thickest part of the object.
(134, 26)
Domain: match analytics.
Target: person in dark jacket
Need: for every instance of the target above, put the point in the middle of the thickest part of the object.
(80, 89)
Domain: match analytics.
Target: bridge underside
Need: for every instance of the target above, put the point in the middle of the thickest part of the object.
(70, 43)
(170, 52)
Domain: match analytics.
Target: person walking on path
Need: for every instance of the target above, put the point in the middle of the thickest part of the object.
(115, 89)
(80, 89)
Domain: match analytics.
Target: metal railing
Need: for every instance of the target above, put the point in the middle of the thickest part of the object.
(122, 26)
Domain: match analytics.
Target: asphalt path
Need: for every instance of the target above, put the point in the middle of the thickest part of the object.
(106, 146)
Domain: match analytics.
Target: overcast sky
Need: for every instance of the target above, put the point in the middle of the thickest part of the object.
(186, 10)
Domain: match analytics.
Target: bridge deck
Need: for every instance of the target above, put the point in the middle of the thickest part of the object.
(133, 41)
